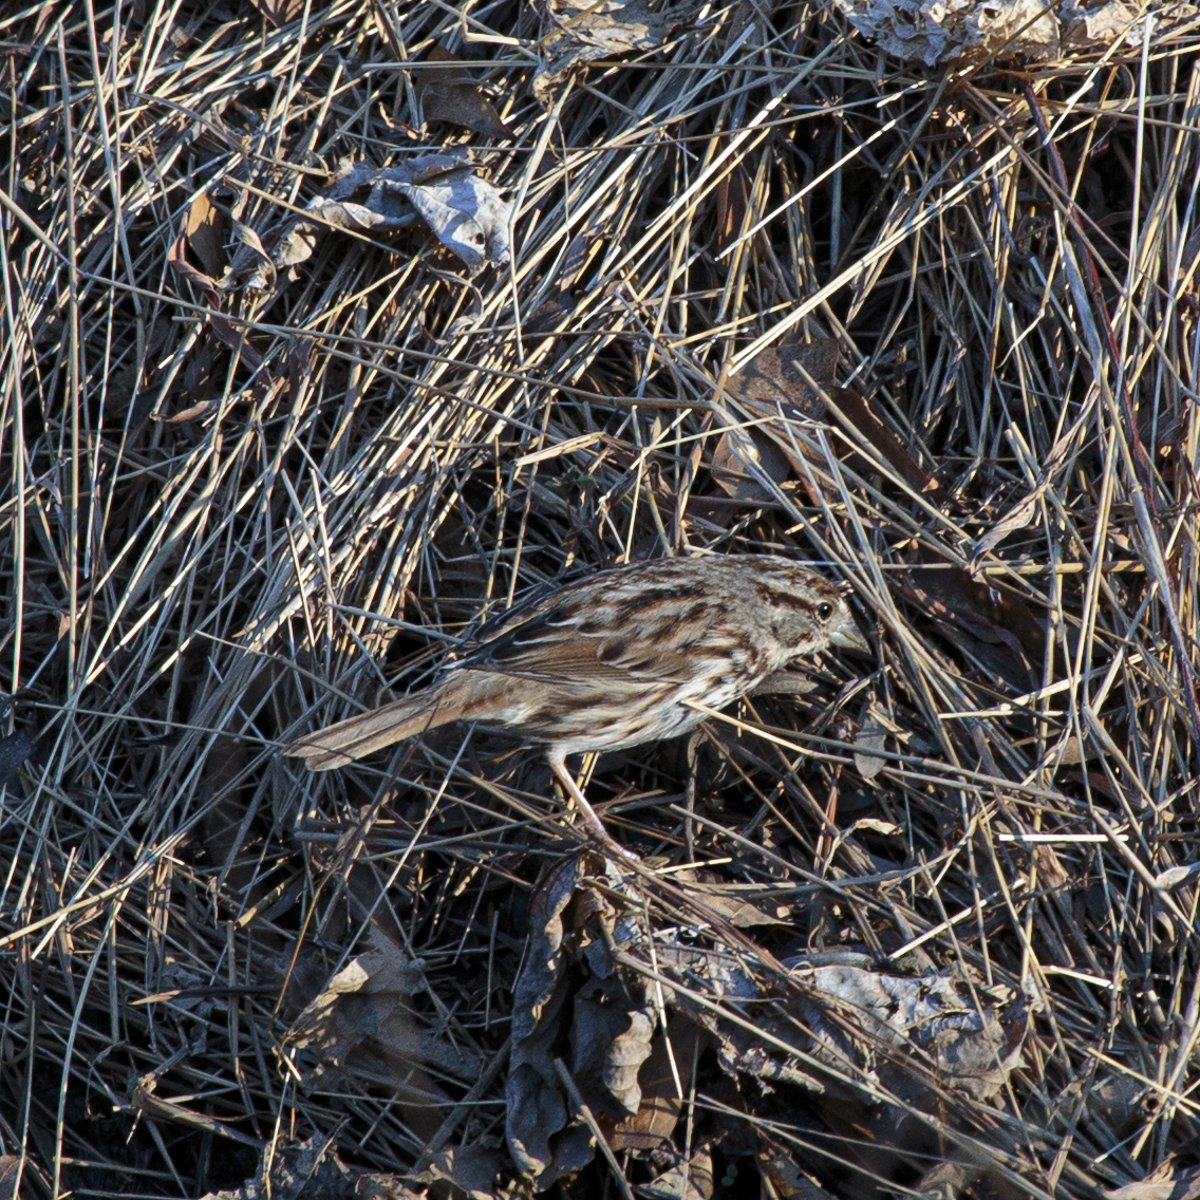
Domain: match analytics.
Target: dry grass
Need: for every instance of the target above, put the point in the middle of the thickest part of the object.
(232, 513)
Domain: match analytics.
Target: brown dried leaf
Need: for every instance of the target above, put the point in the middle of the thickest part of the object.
(896, 1032)
(785, 683)
(144, 1103)
(364, 1026)
(911, 31)
(279, 12)
(1052, 871)
(302, 1170)
(463, 210)
(204, 283)
(992, 623)
(744, 906)
(454, 97)
(857, 412)
(872, 738)
(205, 229)
(789, 378)
(578, 34)
(1167, 1182)
(788, 1179)
(735, 449)
(198, 392)
(609, 1043)
(1175, 877)
(690, 1178)
(251, 243)
(794, 381)
(671, 1058)
(783, 381)
(471, 1170)
(569, 992)
(973, 1049)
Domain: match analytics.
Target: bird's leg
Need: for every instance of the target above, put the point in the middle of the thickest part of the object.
(693, 758)
(595, 826)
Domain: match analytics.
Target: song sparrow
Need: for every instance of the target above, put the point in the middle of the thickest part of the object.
(620, 657)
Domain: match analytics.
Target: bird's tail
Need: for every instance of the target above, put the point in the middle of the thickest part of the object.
(359, 736)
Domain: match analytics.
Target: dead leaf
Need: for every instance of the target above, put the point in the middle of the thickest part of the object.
(1053, 873)
(874, 825)
(303, 1170)
(907, 1034)
(990, 622)
(783, 381)
(177, 260)
(793, 381)
(689, 1178)
(745, 906)
(205, 230)
(452, 96)
(296, 246)
(469, 1169)
(914, 32)
(739, 450)
(871, 739)
(1174, 877)
(251, 266)
(463, 211)
(364, 1027)
(789, 378)
(569, 992)
(858, 413)
(970, 1037)
(785, 683)
(143, 1102)
(788, 1180)
(671, 1062)
(578, 34)
(279, 12)
(15, 748)
(1168, 1181)
(1004, 30)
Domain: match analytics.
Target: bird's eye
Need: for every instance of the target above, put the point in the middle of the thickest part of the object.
(825, 611)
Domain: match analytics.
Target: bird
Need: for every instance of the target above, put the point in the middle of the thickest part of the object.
(622, 656)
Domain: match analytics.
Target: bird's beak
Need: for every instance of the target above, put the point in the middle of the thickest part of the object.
(848, 637)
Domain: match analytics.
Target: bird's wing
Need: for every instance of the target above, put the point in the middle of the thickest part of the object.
(556, 638)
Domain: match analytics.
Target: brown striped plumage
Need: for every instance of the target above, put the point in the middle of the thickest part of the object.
(615, 659)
